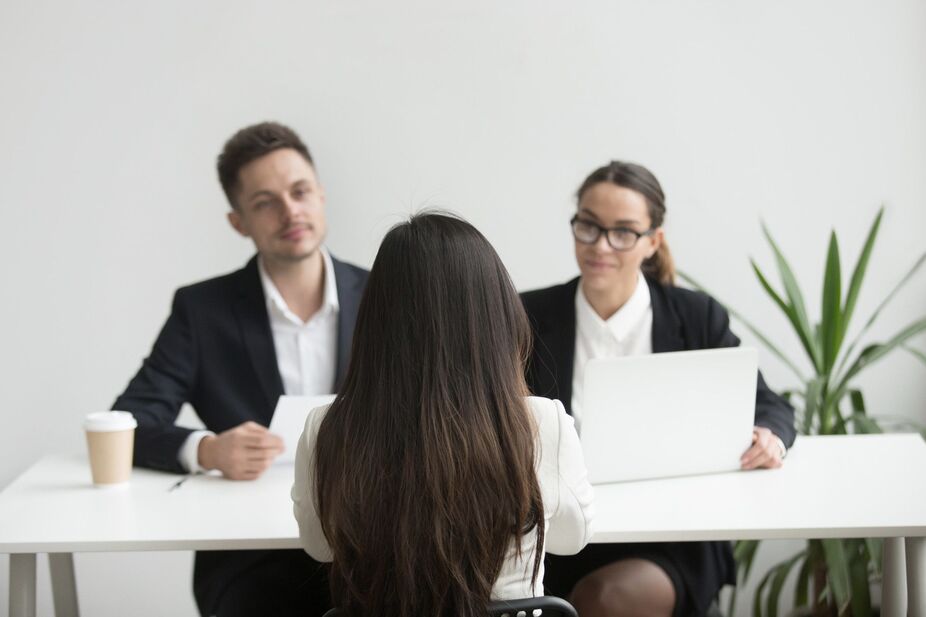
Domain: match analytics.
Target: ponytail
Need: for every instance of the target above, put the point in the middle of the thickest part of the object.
(661, 266)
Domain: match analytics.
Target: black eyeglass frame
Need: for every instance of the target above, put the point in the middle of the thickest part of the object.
(607, 232)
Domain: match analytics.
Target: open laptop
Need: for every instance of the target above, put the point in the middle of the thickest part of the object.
(668, 414)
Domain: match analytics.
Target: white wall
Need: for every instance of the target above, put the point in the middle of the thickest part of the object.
(807, 114)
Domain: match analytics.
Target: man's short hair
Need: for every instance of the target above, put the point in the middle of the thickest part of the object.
(251, 143)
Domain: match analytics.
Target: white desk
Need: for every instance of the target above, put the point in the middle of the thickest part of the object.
(52, 508)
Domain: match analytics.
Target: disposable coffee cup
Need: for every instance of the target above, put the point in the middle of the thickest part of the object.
(110, 439)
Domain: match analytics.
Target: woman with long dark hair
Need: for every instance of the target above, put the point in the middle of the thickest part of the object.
(432, 483)
(625, 303)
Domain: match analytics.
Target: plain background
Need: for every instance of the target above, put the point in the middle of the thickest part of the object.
(808, 115)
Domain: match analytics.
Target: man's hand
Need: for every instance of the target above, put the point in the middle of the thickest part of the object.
(765, 452)
(240, 453)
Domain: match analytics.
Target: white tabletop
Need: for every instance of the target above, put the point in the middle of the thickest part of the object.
(829, 487)
(53, 507)
(867, 485)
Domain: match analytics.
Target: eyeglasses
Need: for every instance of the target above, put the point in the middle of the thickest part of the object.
(620, 238)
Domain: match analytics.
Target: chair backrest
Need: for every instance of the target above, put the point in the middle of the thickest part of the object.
(543, 606)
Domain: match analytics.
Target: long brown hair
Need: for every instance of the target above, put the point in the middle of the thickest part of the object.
(660, 266)
(425, 461)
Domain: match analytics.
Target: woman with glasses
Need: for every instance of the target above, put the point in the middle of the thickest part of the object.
(433, 483)
(625, 303)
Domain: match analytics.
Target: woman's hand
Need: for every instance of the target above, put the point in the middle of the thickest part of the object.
(767, 450)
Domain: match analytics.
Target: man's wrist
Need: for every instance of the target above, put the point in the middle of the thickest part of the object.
(204, 453)
(189, 454)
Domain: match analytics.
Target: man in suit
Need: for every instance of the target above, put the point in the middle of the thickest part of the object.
(233, 344)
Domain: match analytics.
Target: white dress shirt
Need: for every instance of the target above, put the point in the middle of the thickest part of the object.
(306, 351)
(627, 332)
(568, 499)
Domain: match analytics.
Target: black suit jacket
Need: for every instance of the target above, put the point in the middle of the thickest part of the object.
(216, 352)
(682, 320)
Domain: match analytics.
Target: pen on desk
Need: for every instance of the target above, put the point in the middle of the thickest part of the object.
(178, 483)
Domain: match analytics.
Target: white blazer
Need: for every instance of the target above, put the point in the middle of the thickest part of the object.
(567, 498)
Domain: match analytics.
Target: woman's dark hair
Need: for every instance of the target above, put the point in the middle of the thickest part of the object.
(425, 461)
(638, 178)
(251, 143)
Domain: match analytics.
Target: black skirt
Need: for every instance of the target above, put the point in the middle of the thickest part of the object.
(698, 569)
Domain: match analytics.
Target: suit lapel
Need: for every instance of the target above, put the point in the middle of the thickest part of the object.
(254, 323)
(556, 341)
(350, 290)
(667, 327)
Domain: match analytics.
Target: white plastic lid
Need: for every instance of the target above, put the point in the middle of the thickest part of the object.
(101, 421)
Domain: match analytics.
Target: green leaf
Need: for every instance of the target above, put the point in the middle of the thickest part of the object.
(812, 403)
(784, 306)
(778, 581)
(860, 597)
(806, 341)
(824, 594)
(802, 585)
(857, 400)
(749, 326)
(903, 281)
(796, 299)
(817, 559)
(831, 313)
(875, 546)
(838, 421)
(731, 605)
(915, 352)
(831, 422)
(744, 553)
(864, 424)
(837, 571)
(757, 599)
(858, 274)
(875, 352)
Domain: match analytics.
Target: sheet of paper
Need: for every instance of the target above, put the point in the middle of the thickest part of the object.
(289, 420)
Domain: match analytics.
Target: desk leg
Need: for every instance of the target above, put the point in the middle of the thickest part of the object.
(893, 579)
(63, 584)
(22, 585)
(916, 576)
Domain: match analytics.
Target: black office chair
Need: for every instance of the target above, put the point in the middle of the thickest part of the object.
(545, 606)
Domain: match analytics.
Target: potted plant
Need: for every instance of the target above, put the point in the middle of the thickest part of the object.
(833, 575)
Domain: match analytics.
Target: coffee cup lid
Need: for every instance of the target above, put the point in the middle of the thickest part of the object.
(110, 421)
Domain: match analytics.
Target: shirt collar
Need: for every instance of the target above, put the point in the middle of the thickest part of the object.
(622, 323)
(275, 299)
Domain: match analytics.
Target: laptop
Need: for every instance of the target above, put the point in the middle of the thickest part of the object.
(668, 414)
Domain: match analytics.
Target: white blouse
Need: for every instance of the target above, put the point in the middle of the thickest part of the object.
(628, 332)
(560, 467)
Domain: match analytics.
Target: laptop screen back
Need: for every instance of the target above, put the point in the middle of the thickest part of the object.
(668, 414)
